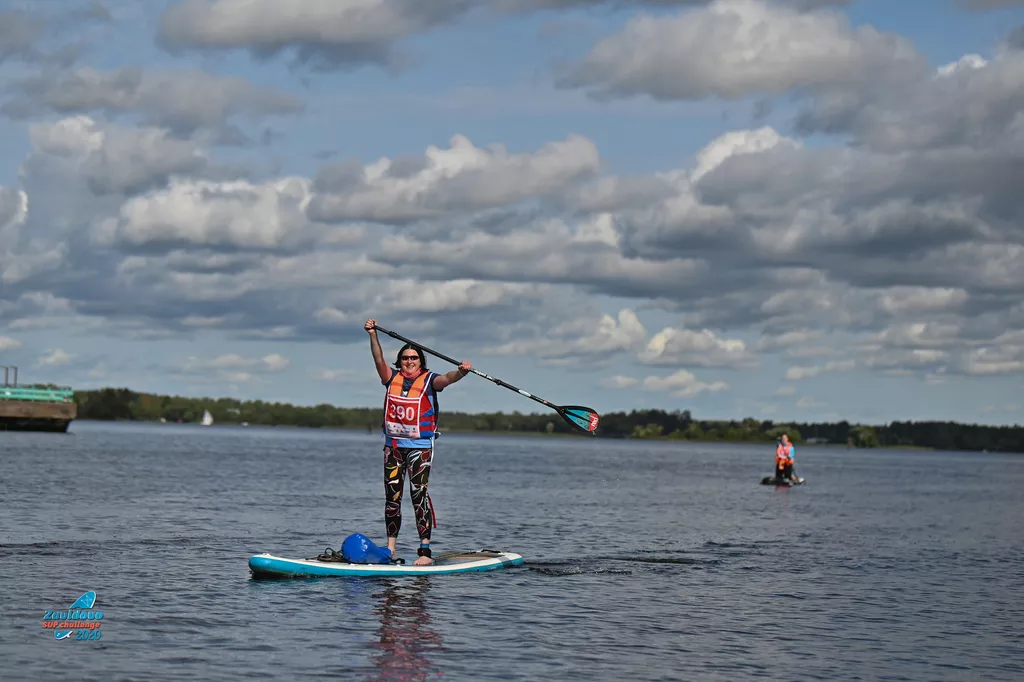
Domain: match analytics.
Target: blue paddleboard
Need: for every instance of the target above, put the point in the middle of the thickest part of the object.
(270, 566)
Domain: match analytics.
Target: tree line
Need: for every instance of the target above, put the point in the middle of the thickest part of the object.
(124, 404)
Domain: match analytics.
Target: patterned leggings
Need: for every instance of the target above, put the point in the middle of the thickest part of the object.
(398, 462)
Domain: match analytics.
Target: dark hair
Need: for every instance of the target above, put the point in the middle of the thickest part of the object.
(419, 352)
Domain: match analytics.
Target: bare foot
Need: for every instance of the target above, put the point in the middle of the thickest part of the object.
(423, 561)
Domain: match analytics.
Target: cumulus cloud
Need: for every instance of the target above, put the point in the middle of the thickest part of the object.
(738, 142)
(324, 374)
(973, 102)
(36, 36)
(1003, 355)
(112, 160)
(801, 373)
(788, 340)
(238, 214)
(734, 48)
(7, 343)
(813, 227)
(13, 211)
(618, 382)
(461, 178)
(40, 310)
(682, 384)
(15, 263)
(182, 101)
(917, 300)
(549, 250)
(231, 362)
(812, 238)
(54, 357)
(582, 336)
(918, 335)
(325, 33)
(449, 296)
(902, 362)
(704, 348)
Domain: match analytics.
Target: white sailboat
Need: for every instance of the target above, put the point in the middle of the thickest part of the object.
(207, 418)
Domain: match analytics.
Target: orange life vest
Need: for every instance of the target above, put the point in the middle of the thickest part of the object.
(412, 416)
(783, 455)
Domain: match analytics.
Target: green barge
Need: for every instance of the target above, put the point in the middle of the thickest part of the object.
(35, 409)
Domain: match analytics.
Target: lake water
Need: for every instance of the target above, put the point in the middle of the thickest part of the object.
(645, 560)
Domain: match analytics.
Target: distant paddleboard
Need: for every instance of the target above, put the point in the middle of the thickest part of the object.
(772, 480)
(270, 566)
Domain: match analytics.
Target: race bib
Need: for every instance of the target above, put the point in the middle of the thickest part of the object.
(402, 419)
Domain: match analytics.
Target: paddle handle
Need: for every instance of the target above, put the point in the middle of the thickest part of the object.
(495, 380)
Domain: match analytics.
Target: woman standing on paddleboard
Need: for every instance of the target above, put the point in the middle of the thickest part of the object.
(410, 426)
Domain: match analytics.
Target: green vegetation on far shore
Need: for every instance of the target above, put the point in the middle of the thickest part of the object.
(124, 404)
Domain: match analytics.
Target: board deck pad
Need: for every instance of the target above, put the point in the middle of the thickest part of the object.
(271, 566)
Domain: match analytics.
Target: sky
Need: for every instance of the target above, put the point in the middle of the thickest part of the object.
(796, 210)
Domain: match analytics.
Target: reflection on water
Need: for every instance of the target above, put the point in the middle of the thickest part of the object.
(406, 636)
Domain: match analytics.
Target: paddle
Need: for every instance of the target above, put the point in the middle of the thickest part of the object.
(583, 418)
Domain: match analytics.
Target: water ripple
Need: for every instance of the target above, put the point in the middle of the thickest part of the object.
(639, 572)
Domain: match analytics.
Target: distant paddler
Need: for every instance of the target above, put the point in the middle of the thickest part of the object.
(784, 458)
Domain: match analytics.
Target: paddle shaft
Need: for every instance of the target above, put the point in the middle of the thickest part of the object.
(474, 371)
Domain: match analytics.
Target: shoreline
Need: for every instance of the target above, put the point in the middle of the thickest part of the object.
(122, 404)
(522, 434)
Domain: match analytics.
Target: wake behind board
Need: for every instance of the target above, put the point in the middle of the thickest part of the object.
(782, 482)
(270, 566)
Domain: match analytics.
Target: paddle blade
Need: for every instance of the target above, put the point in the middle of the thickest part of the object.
(583, 418)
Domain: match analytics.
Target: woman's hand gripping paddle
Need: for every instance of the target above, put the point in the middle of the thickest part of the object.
(583, 418)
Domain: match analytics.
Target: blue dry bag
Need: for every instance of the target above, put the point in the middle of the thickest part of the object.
(358, 549)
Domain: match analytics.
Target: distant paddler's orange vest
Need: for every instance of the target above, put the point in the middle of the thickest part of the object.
(783, 455)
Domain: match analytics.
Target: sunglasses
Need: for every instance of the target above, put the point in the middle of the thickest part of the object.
(410, 357)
